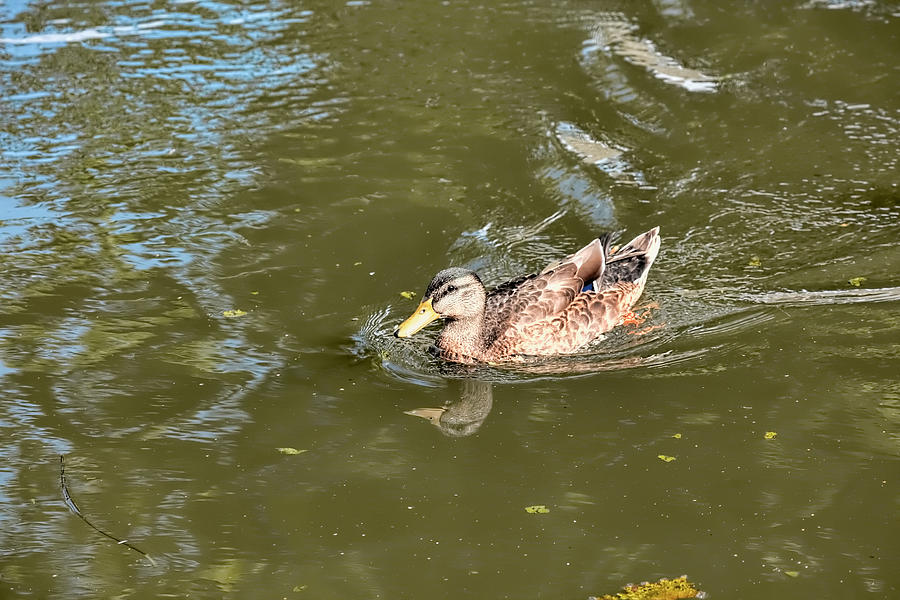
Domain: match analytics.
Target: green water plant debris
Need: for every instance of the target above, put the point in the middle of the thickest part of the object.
(665, 458)
(792, 573)
(856, 281)
(677, 436)
(408, 295)
(664, 589)
(291, 451)
(771, 435)
(539, 509)
(754, 261)
(233, 313)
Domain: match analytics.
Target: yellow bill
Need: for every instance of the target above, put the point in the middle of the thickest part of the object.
(423, 316)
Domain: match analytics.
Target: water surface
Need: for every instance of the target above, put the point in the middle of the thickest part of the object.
(208, 213)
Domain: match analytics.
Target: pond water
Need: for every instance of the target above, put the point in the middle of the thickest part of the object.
(208, 213)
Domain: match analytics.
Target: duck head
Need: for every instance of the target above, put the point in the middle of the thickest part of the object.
(455, 294)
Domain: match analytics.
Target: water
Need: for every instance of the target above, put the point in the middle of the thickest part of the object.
(165, 164)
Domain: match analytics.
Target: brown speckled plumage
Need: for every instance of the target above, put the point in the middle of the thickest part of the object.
(545, 314)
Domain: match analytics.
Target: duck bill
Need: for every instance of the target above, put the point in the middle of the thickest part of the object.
(429, 414)
(423, 316)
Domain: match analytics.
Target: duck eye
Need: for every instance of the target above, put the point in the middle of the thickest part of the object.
(451, 289)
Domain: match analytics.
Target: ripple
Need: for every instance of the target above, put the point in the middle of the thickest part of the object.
(81, 36)
(826, 297)
(411, 360)
(615, 34)
(603, 155)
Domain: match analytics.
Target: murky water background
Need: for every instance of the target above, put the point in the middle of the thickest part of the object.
(303, 163)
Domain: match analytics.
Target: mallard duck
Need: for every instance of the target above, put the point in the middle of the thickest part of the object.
(557, 311)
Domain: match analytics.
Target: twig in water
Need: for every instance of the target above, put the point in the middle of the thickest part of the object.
(70, 502)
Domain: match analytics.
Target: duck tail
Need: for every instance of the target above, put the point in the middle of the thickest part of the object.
(631, 262)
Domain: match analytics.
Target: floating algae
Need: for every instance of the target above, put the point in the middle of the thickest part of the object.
(664, 589)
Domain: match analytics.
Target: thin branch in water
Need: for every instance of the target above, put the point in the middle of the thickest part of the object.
(70, 502)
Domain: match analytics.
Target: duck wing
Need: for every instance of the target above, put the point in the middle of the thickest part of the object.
(580, 322)
(522, 302)
(587, 313)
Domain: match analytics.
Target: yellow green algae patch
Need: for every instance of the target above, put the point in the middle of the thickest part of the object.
(291, 451)
(664, 589)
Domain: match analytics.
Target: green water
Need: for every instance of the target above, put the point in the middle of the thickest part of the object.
(306, 162)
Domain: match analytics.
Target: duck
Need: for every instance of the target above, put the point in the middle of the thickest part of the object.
(560, 310)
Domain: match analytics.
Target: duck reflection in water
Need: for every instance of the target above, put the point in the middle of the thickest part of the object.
(465, 416)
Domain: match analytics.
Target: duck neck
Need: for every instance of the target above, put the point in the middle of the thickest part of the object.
(464, 336)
